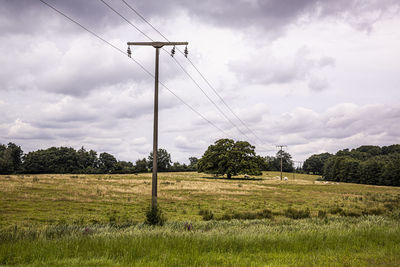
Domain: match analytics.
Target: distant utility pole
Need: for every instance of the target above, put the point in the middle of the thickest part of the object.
(281, 156)
(157, 46)
(298, 166)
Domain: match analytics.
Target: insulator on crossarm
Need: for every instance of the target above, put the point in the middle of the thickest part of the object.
(186, 51)
(129, 51)
(173, 51)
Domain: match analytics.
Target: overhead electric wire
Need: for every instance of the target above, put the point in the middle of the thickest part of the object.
(138, 63)
(197, 70)
(180, 65)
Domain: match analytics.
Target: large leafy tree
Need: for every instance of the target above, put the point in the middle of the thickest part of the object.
(228, 157)
(163, 160)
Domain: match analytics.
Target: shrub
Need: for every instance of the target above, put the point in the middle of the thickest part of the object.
(321, 214)
(336, 210)
(391, 206)
(207, 214)
(154, 216)
(188, 226)
(297, 214)
(373, 211)
(265, 214)
(350, 213)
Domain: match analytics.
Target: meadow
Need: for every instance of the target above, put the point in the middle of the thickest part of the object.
(97, 220)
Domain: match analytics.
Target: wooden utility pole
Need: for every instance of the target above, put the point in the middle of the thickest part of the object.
(298, 166)
(157, 46)
(281, 156)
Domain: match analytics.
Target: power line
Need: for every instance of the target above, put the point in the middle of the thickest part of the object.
(197, 70)
(138, 63)
(183, 69)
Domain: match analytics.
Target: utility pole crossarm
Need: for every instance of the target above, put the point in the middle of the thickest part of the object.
(158, 44)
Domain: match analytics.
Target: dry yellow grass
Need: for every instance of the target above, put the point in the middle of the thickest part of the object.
(49, 198)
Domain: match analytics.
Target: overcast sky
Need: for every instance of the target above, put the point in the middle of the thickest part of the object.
(317, 76)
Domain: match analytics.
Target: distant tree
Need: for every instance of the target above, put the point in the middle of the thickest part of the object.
(393, 149)
(391, 173)
(271, 164)
(141, 165)
(287, 162)
(163, 160)
(107, 163)
(124, 167)
(370, 150)
(366, 164)
(88, 161)
(231, 158)
(193, 163)
(371, 171)
(343, 152)
(178, 167)
(6, 162)
(16, 155)
(51, 160)
(10, 158)
(315, 163)
(263, 163)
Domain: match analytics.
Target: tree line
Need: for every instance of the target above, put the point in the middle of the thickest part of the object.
(225, 156)
(365, 165)
(69, 160)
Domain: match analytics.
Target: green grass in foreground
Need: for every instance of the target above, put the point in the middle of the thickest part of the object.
(365, 241)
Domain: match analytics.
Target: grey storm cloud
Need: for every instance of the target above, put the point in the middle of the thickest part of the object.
(272, 15)
(31, 16)
(25, 16)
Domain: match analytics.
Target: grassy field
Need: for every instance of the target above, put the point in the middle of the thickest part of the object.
(97, 220)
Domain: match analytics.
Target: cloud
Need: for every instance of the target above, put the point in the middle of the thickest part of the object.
(186, 145)
(266, 67)
(23, 130)
(317, 84)
(343, 125)
(84, 66)
(33, 17)
(275, 15)
(268, 16)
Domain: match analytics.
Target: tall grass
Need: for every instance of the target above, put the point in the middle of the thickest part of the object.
(371, 240)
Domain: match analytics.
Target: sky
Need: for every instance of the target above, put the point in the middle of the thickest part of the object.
(317, 76)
